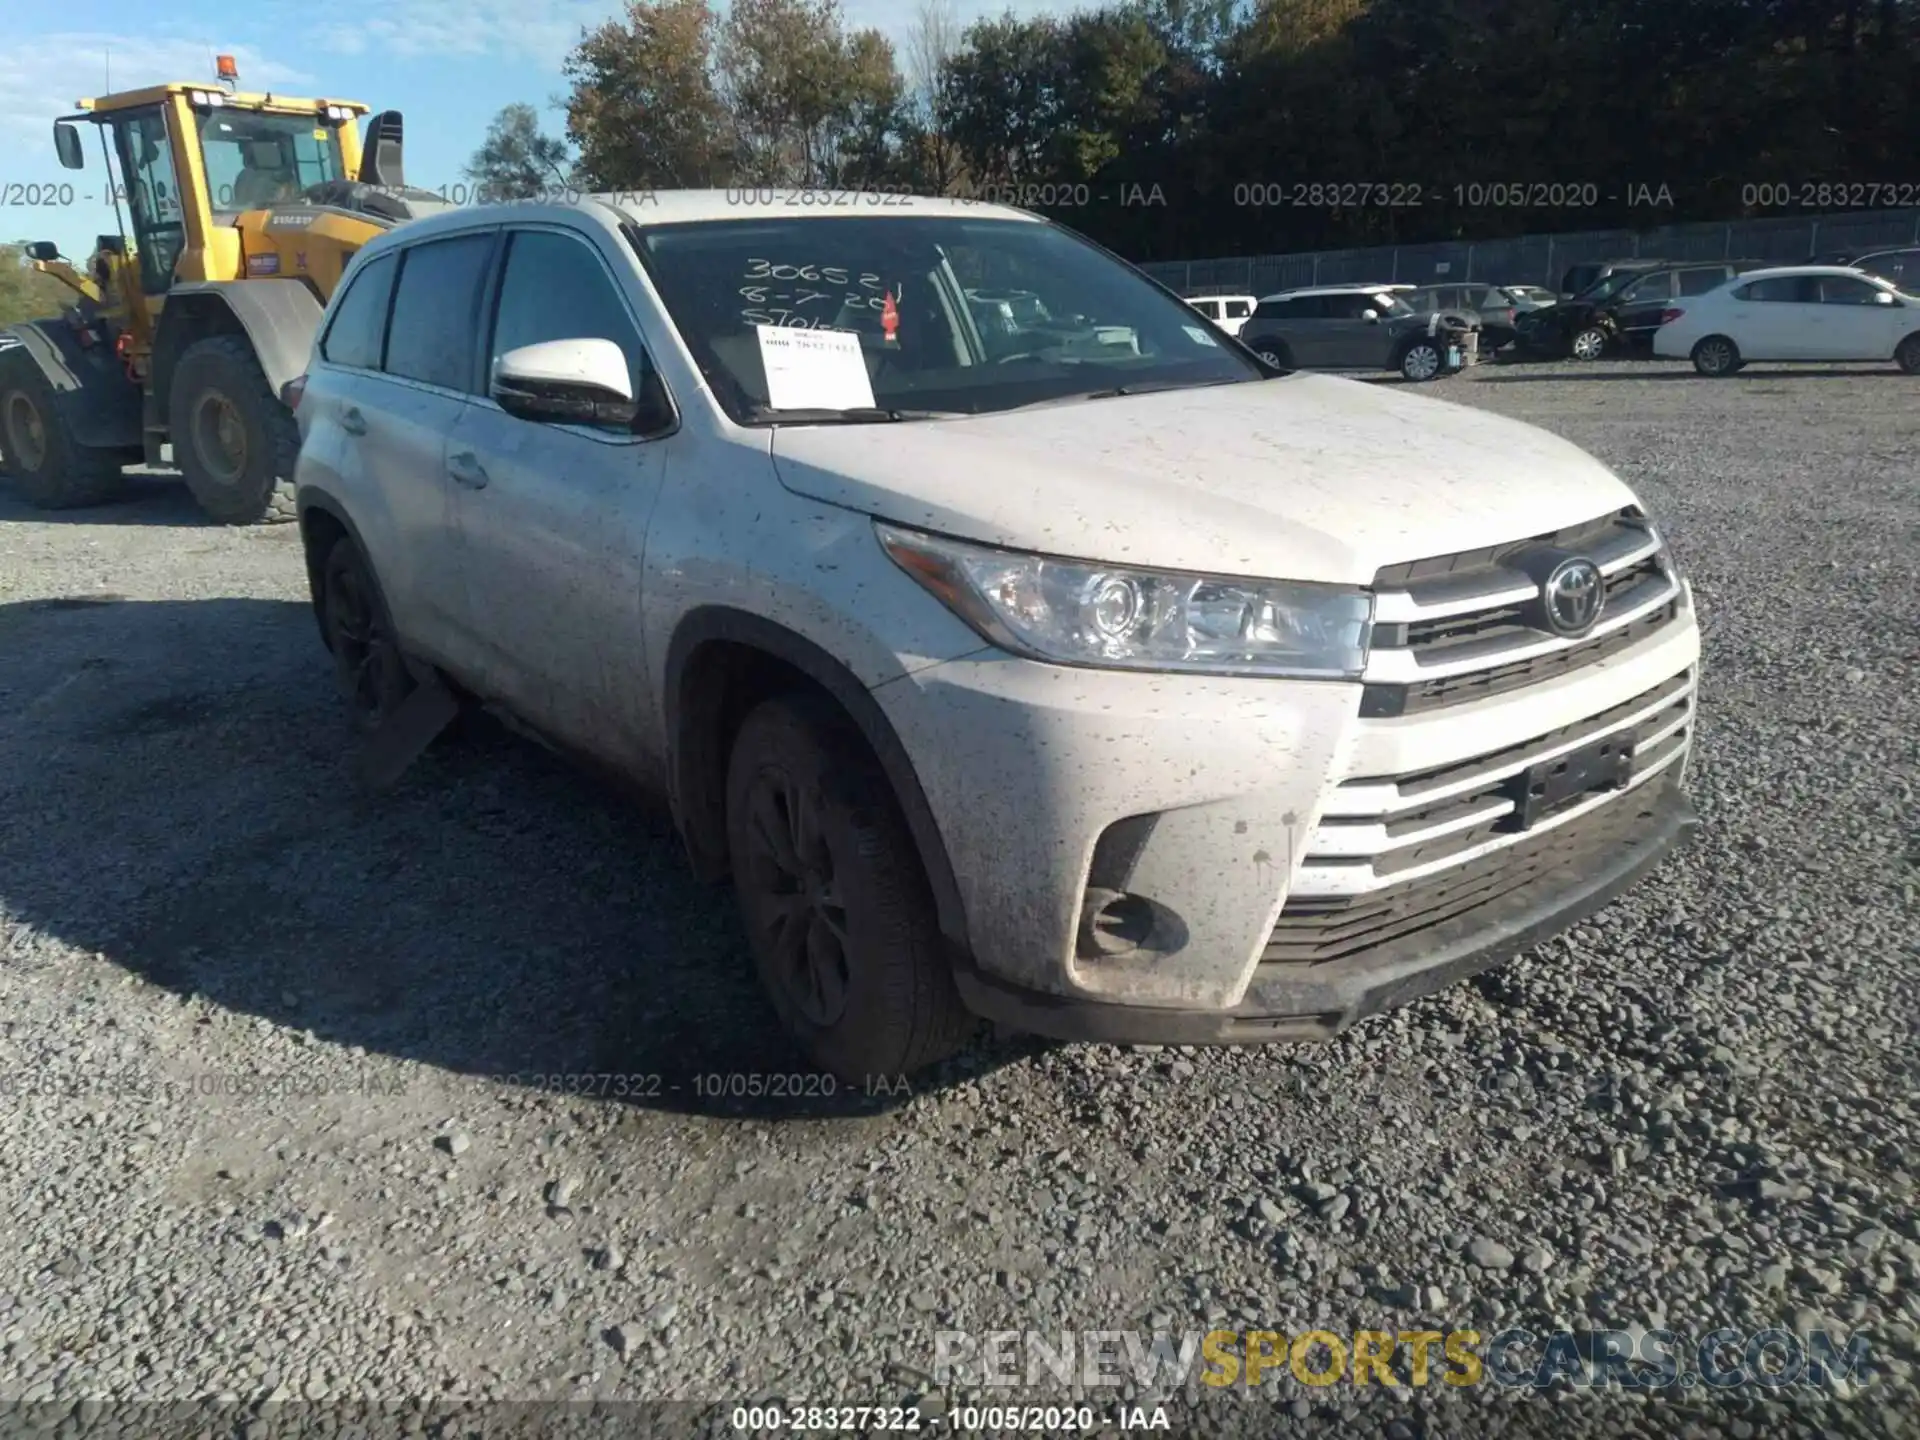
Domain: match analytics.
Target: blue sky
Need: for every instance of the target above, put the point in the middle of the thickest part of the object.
(449, 65)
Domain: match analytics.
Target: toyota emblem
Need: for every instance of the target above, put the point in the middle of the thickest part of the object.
(1571, 596)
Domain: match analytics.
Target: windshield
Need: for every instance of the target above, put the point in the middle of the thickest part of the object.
(254, 159)
(1531, 292)
(951, 313)
(1612, 285)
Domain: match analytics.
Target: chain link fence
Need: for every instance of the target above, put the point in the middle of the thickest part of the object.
(1541, 259)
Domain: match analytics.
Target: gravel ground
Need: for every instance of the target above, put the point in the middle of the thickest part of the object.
(1698, 1110)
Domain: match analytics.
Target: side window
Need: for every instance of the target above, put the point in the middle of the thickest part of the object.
(1902, 267)
(555, 287)
(1652, 287)
(1699, 282)
(358, 329)
(431, 335)
(1279, 310)
(1209, 308)
(1777, 289)
(1347, 307)
(1237, 309)
(1845, 290)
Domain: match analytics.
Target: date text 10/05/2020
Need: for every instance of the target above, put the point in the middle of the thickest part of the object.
(709, 1085)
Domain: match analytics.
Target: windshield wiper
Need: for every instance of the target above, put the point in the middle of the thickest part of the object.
(853, 415)
(1153, 387)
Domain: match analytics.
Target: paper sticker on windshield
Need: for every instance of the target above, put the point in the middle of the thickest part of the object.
(814, 369)
(1200, 337)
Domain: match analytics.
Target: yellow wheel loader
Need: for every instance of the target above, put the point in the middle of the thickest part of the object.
(240, 212)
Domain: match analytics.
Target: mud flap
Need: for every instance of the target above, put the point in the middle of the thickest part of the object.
(408, 731)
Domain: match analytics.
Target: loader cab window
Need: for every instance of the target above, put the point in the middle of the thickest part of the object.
(255, 160)
(153, 194)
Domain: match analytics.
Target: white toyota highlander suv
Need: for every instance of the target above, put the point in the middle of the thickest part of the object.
(1096, 678)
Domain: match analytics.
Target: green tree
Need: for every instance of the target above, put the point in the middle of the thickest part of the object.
(517, 161)
(644, 111)
(25, 293)
(810, 103)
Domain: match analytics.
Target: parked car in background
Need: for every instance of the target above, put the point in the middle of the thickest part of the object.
(1496, 307)
(1579, 279)
(1901, 266)
(1229, 312)
(1352, 327)
(1802, 312)
(1233, 706)
(1619, 312)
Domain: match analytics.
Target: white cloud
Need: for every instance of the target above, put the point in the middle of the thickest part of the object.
(42, 75)
(540, 32)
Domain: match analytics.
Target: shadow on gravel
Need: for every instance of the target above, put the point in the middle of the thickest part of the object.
(150, 499)
(175, 781)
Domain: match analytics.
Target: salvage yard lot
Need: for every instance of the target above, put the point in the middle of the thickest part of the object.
(1697, 1110)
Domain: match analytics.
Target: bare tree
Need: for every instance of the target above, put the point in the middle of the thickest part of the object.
(932, 41)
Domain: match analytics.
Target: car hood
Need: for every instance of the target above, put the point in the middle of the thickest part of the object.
(1303, 477)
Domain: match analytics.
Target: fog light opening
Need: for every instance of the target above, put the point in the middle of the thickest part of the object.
(1114, 923)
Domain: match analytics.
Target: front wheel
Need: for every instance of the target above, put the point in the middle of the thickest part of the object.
(1422, 361)
(1907, 356)
(1275, 354)
(232, 437)
(1589, 344)
(1716, 356)
(838, 911)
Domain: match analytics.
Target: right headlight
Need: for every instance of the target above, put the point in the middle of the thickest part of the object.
(1079, 612)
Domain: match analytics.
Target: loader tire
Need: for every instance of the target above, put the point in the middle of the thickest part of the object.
(50, 469)
(232, 437)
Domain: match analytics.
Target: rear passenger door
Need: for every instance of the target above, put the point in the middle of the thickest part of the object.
(399, 349)
(553, 517)
(1776, 318)
(1637, 310)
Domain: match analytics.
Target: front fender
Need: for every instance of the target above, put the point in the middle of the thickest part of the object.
(279, 318)
(100, 405)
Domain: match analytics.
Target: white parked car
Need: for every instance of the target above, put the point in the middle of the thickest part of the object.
(1794, 312)
(1128, 693)
(1229, 312)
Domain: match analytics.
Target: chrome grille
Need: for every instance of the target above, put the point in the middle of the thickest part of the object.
(1383, 832)
(1457, 628)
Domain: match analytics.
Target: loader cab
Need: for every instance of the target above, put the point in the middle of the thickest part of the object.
(193, 158)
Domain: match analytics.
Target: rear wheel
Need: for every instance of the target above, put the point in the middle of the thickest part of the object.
(51, 469)
(1275, 353)
(1907, 356)
(1716, 355)
(838, 911)
(368, 663)
(232, 437)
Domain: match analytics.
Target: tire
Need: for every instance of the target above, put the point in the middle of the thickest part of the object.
(1907, 354)
(1422, 361)
(1588, 343)
(232, 437)
(817, 840)
(369, 665)
(1276, 354)
(1715, 356)
(51, 470)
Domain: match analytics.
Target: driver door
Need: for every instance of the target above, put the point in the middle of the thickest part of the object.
(145, 152)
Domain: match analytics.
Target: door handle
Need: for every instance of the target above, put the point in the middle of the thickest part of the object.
(467, 471)
(352, 421)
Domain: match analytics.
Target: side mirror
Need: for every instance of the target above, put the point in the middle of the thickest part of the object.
(1372, 317)
(569, 382)
(43, 250)
(1881, 297)
(66, 144)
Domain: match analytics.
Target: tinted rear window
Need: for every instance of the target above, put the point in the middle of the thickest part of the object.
(434, 310)
(359, 325)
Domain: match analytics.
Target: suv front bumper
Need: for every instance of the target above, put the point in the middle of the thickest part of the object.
(1287, 1002)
